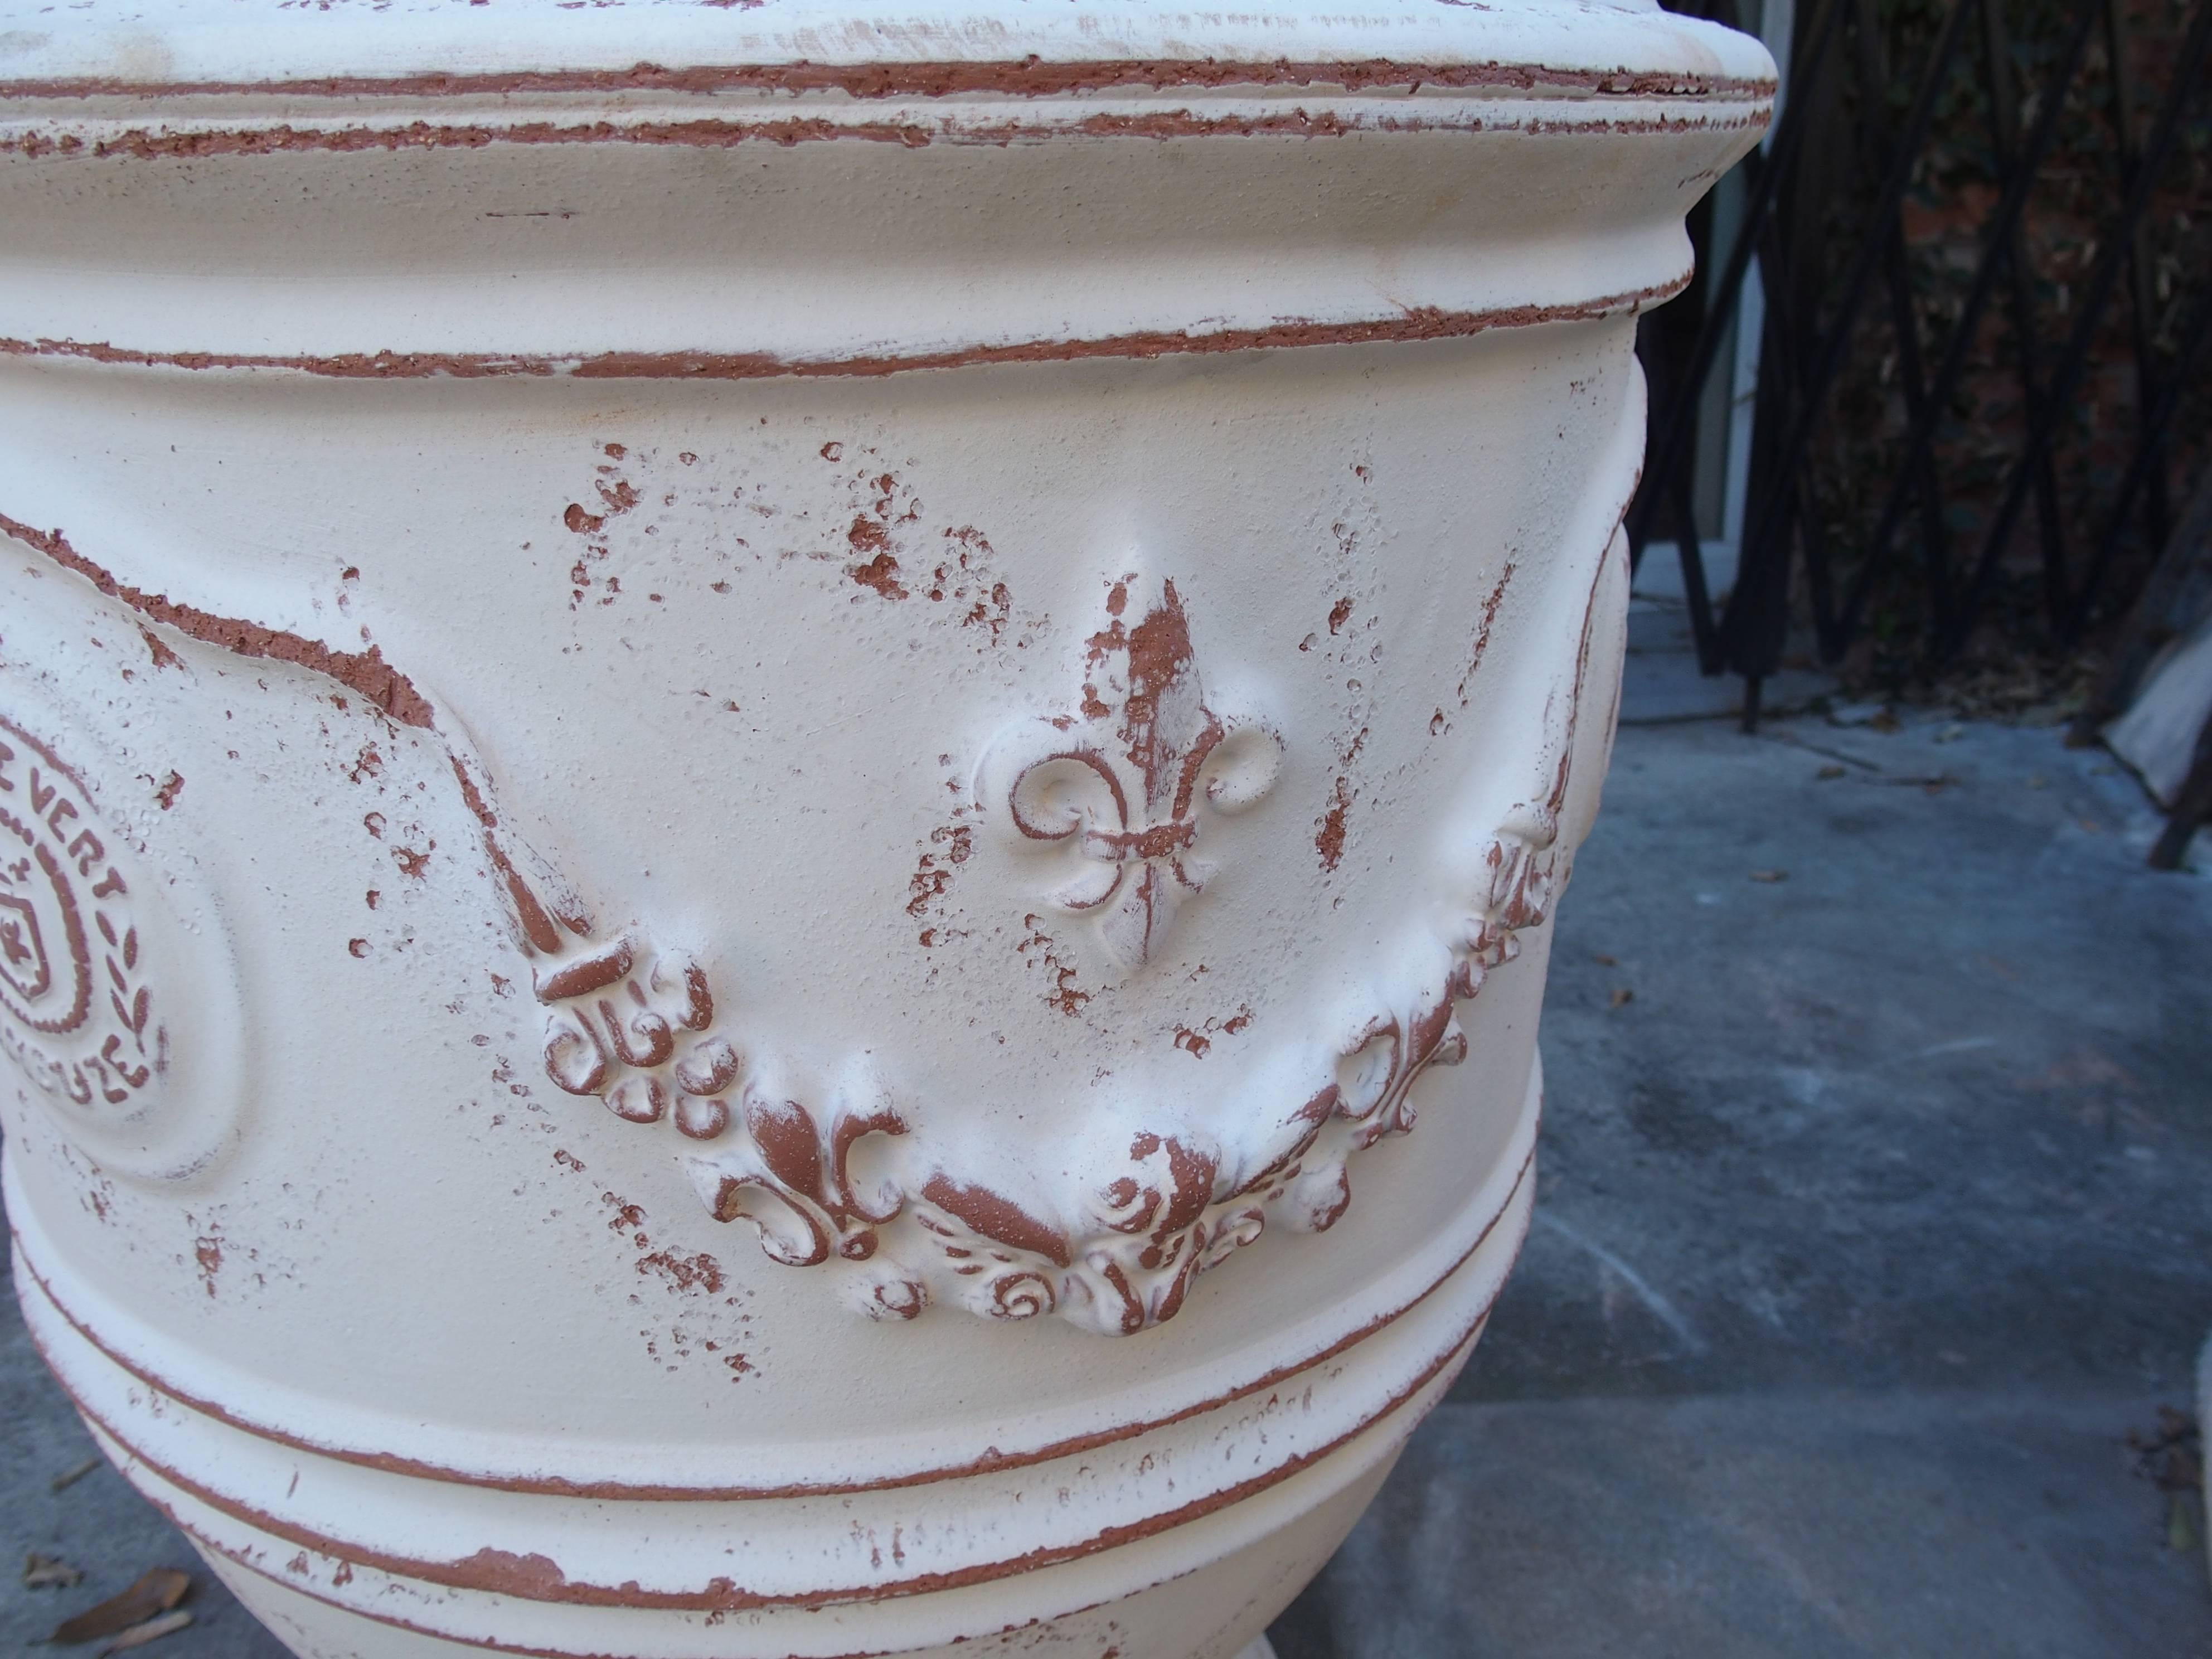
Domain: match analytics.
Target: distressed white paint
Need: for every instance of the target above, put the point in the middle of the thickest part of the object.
(1052, 638)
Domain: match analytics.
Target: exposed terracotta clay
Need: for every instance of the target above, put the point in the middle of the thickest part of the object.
(1328, 838)
(1030, 79)
(365, 671)
(141, 144)
(1420, 323)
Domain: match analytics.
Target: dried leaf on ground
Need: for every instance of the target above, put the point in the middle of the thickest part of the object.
(49, 1572)
(156, 1592)
(69, 1477)
(2171, 1455)
(1770, 875)
(153, 1629)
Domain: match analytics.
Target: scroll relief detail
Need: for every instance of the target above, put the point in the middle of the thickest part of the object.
(1117, 792)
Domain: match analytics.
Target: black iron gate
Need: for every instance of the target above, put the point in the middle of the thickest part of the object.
(1878, 473)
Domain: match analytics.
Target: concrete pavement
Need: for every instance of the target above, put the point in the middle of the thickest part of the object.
(1872, 1220)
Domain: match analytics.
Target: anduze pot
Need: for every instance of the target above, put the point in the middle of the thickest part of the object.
(754, 759)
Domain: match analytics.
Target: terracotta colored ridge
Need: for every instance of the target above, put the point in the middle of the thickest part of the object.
(1029, 76)
(538, 1577)
(363, 671)
(1418, 323)
(628, 1491)
(142, 144)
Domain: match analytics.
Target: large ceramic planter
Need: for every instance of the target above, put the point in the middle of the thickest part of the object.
(753, 761)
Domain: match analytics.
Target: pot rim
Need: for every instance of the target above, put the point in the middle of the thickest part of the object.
(855, 50)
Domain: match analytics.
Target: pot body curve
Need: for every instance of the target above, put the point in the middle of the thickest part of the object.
(777, 826)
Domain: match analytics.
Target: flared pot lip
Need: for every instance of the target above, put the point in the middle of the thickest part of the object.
(162, 50)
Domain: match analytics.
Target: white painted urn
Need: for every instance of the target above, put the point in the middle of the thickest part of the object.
(779, 782)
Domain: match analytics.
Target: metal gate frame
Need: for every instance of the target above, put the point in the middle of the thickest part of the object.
(1804, 348)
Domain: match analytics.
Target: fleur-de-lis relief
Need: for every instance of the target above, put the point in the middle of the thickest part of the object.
(1112, 794)
(792, 1178)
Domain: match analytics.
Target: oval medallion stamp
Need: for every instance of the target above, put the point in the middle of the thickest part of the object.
(119, 1015)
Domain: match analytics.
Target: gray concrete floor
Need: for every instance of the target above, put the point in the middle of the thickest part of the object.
(1872, 1220)
(1869, 1226)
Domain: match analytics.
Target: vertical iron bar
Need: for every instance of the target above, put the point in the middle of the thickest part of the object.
(1777, 389)
(2004, 138)
(1758, 617)
(1750, 617)
(2145, 315)
(1904, 321)
(1694, 593)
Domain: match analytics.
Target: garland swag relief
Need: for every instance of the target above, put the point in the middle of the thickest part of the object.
(1109, 803)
